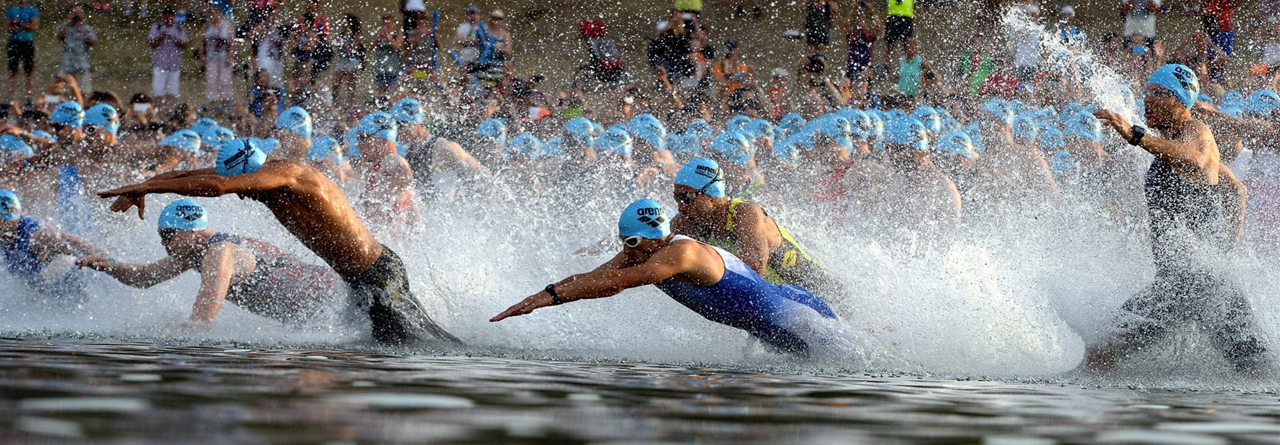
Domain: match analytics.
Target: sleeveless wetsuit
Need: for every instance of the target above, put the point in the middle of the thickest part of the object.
(23, 264)
(1187, 224)
(789, 264)
(744, 300)
(420, 158)
(280, 287)
(397, 316)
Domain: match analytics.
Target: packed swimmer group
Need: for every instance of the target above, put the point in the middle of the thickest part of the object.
(723, 256)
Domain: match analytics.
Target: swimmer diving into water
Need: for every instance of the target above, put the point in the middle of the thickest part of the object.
(706, 279)
(254, 275)
(315, 211)
(28, 245)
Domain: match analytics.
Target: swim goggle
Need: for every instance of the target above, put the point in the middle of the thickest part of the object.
(91, 129)
(632, 241)
(687, 198)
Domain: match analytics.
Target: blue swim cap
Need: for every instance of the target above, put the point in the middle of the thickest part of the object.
(352, 139)
(9, 142)
(267, 145)
(837, 128)
(907, 131)
(683, 144)
(1262, 102)
(791, 122)
(760, 128)
(553, 147)
(240, 156)
(1024, 128)
(615, 141)
(702, 174)
(877, 124)
(998, 109)
(325, 147)
(859, 121)
(183, 214)
(581, 130)
(647, 128)
(1063, 163)
(929, 117)
(378, 123)
(956, 142)
(644, 218)
(1052, 138)
(408, 111)
(700, 129)
(44, 134)
(525, 144)
(733, 145)
(736, 123)
(104, 116)
(1180, 80)
(1083, 125)
(205, 126)
(68, 113)
(787, 150)
(296, 120)
(975, 136)
(10, 206)
(186, 140)
(494, 129)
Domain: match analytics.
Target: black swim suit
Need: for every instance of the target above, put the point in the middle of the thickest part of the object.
(397, 316)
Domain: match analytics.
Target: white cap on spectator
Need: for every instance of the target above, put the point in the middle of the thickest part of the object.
(781, 72)
(663, 25)
(497, 14)
(1068, 10)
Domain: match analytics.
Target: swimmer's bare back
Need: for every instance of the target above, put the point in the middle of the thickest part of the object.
(305, 202)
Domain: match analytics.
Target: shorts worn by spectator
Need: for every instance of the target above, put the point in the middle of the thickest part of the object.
(77, 38)
(1140, 17)
(22, 21)
(818, 26)
(1218, 20)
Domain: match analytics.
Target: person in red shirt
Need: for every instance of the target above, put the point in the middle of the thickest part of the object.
(1217, 20)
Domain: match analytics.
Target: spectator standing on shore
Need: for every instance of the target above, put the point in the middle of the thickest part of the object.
(77, 38)
(387, 63)
(1140, 17)
(269, 50)
(862, 41)
(899, 24)
(414, 11)
(465, 37)
(22, 20)
(1219, 16)
(974, 65)
(914, 73)
(351, 58)
(311, 51)
(215, 52)
(167, 41)
(818, 23)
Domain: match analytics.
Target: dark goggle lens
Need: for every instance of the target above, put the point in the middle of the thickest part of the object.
(631, 241)
(91, 129)
(686, 197)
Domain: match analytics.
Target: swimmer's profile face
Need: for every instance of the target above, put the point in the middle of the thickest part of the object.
(643, 248)
(1161, 105)
(690, 201)
(179, 243)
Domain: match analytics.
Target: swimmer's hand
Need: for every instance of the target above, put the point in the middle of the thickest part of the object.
(1122, 126)
(98, 263)
(126, 197)
(540, 299)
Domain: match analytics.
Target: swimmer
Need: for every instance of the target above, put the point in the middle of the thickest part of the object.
(926, 200)
(315, 211)
(252, 274)
(387, 201)
(744, 229)
(707, 280)
(429, 154)
(293, 130)
(29, 245)
(1190, 196)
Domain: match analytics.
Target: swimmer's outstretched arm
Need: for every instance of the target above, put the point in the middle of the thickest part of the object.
(270, 177)
(607, 281)
(141, 276)
(1192, 157)
(216, 269)
(53, 241)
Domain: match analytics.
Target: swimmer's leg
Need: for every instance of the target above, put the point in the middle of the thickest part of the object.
(1232, 325)
(1145, 318)
(396, 314)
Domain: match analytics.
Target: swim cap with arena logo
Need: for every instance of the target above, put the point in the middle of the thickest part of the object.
(703, 174)
(183, 214)
(238, 157)
(10, 206)
(1180, 80)
(644, 218)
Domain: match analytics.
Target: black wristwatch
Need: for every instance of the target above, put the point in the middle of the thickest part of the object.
(551, 289)
(1138, 132)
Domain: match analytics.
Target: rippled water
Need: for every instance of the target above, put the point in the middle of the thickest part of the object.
(54, 389)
